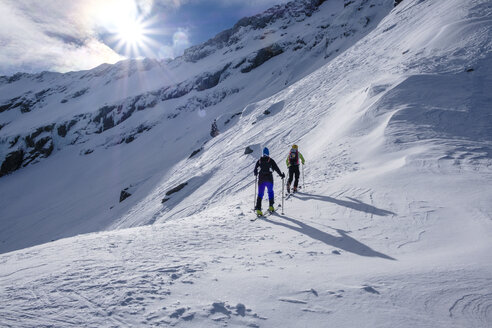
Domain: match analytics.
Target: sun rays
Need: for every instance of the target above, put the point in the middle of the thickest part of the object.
(129, 29)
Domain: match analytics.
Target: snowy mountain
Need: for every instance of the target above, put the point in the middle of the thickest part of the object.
(126, 126)
(391, 109)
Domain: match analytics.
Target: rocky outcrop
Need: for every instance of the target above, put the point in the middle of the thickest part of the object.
(124, 194)
(12, 162)
(262, 56)
(176, 189)
(298, 9)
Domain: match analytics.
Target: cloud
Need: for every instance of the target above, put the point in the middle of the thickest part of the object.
(70, 34)
(180, 43)
(36, 36)
(245, 3)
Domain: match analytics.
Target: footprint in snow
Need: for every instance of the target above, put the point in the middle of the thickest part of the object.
(221, 311)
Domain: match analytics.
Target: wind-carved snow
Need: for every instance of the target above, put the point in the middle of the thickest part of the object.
(391, 227)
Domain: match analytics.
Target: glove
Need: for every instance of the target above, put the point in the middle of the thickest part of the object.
(256, 173)
(283, 175)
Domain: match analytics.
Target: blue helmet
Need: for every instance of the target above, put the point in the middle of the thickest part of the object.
(266, 152)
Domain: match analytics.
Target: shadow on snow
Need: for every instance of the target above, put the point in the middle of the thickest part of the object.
(353, 204)
(344, 241)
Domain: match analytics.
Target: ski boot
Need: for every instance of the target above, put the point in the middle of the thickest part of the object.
(288, 188)
(259, 213)
(271, 209)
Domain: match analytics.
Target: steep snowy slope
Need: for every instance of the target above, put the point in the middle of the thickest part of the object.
(70, 144)
(392, 227)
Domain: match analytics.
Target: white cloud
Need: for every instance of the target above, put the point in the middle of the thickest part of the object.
(180, 43)
(48, 35)
(64, 35)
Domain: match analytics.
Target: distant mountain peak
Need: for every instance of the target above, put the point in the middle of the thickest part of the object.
(293, 9)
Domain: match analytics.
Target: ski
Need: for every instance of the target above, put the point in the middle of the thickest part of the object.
(263, 216)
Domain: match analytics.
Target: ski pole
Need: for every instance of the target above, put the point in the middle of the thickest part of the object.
(283, 184)
(256, 187)
(303, 185)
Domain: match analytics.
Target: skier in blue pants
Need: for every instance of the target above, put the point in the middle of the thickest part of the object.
(266, 166)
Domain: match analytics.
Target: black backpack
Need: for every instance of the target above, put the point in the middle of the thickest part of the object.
(265, 166)
(294, 157)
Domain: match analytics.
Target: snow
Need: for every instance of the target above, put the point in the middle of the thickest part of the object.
(392, 227)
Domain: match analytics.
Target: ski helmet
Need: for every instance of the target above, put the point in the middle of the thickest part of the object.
(266, 152)
(295, 146)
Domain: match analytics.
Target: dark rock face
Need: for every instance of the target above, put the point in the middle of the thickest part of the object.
(31, 139)
(62, 131)
(210, 80)
(195, 152)
(124, 195)
(38, 144)
(397, 2)
(248, 150)
(65, 127)
(176, 189)
(80, 93)
(12, 162)
(262, 56)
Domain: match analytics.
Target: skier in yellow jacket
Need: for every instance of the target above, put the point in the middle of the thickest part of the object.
(293, 165)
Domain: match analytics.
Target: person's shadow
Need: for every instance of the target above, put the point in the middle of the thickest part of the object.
(353, 203)
(344, 241)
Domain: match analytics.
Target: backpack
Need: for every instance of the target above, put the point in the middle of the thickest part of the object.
(294, 157)
(265, 166)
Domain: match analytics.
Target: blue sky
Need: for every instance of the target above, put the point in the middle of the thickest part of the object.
(72, 35)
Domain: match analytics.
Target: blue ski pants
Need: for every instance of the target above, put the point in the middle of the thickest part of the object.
(261, 193)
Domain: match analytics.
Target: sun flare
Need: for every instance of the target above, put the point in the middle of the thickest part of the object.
(131, 32)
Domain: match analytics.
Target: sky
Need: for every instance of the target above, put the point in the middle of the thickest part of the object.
(71, 35)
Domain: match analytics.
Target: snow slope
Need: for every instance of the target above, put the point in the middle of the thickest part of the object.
(98, 132)
(392, 227)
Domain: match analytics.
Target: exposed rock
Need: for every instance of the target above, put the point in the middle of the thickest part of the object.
(248, 150)
(80, 93)
(262, 56)
(124, 195)
(195, 152)
(209, 81)
(14, 141)
(233, 115)
(64, 128)
(12, 162)
(31, 141)
(176, 189)
(295, 9)
(62, 131)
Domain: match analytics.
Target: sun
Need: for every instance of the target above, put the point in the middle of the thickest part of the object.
(131, 33)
